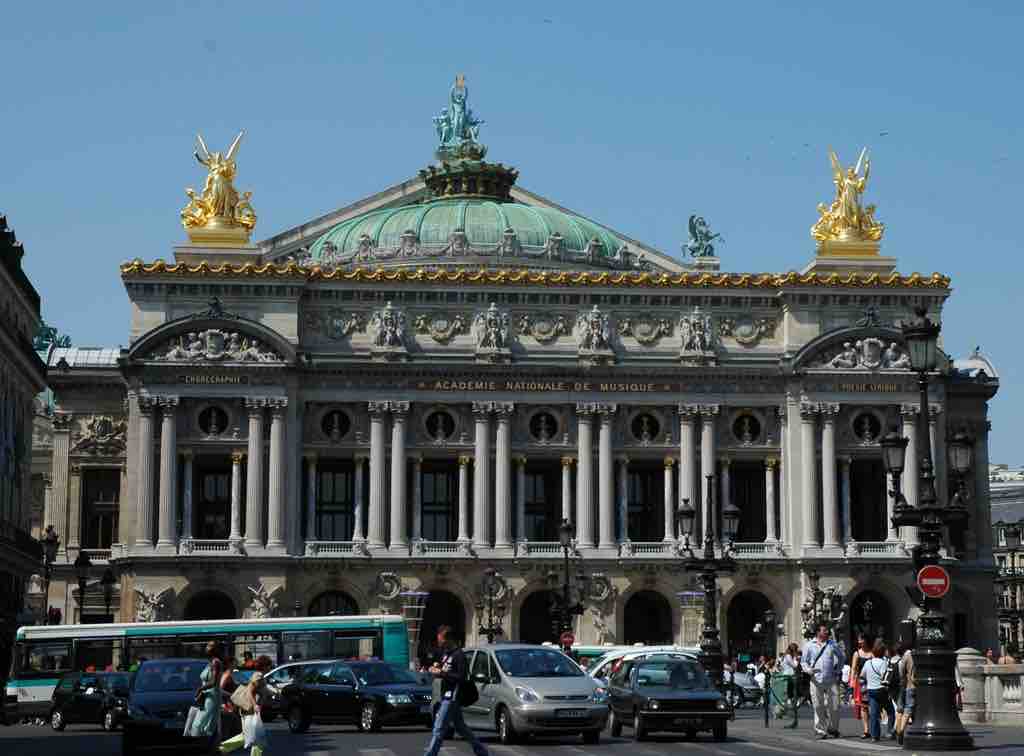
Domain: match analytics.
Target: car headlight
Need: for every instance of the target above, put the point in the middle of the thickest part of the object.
(398, 698)
(653, 704)
(600, 695)
(526, 695)
(721, 704)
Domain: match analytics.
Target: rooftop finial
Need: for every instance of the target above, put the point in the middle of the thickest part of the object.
(458, 130)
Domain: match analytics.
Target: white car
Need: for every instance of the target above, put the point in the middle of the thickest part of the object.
(603, 667)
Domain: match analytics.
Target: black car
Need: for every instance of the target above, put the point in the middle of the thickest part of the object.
(161, 693)
(89, 698)
(370, 694)
(666, 695)
(274, 683)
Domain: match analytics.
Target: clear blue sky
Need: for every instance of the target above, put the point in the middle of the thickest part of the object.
(634, 114)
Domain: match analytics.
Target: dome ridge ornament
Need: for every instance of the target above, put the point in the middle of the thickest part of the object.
(220, 216)
(458, 130)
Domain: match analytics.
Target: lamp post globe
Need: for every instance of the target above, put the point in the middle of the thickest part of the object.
(922, 337)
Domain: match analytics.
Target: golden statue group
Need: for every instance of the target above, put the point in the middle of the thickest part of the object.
(219, 215)
(846, 219)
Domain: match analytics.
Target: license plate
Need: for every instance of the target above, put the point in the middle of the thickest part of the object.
(570, 713)
(683, 722)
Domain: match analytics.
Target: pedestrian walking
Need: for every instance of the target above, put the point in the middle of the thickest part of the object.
(908, 685)
(248, 702)
(875, 678)
(821, 661)
(456, 692)
(860, 696)
(207, 722)
(791, 671)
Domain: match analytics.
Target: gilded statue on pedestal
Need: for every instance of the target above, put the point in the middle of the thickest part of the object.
(846, 219)
(220, 214)
(458, 130)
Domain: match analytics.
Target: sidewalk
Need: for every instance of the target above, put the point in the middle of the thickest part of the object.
(749, 726)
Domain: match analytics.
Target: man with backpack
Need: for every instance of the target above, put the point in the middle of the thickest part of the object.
(821, 662)
(456, 691)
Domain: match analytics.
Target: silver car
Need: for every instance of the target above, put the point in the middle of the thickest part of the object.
(533, 690)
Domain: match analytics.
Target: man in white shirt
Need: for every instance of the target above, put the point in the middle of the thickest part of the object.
(822, 660)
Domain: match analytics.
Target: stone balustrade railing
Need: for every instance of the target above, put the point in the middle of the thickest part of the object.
(992, 692)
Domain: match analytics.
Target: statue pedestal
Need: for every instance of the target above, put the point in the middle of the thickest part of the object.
(853, 256)
(238, 254)
(705, 264)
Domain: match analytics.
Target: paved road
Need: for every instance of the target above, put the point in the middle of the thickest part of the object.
(746, 737)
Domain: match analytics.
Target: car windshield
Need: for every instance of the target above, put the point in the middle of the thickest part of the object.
(680, 675)
(382, 674)
(166, 676)
(537, 662)
(115, 681)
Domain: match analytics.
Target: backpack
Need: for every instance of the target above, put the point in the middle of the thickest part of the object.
(467, 693)
(891, 680)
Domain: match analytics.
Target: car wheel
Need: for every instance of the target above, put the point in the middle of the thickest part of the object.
(592, 737)
(368, 719)
(109, 721)
(721, 731)
(614, 725)
(57, 720)
(298, 722)
(639, 731)
(506, 730)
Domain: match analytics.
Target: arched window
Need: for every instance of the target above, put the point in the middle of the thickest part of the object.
(333, 603)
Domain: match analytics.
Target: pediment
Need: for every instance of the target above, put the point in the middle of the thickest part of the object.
(860, 349)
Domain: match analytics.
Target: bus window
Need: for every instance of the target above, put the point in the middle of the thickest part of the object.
(145, 648)
(194, 647)
(258, 645)
(53, 656)
(312, 644)
(358, 644)
(100, 655)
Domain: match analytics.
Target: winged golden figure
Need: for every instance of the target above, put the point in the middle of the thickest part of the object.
(847, 219)
(219, 208)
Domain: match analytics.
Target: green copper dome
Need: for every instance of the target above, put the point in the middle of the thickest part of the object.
(466, 227)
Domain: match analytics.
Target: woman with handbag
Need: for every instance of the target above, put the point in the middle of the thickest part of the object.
(875, 672)
(860, 698)
(248, 700)
(206, 722)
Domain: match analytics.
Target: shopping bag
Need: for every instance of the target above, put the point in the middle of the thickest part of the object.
(254, 732)
(193, 712)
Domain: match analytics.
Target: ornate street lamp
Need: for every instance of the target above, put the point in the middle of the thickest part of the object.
(51, 542)
(490, 588)
(936, 724)
(413, 605)
(82, 566)
(108, 581)
(563, 608)
(707, 568)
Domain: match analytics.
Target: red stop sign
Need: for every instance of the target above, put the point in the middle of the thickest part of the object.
(567, 639)
(933, 581)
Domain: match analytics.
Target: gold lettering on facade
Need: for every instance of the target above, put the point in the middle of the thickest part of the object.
(878, 388)
(212, 380)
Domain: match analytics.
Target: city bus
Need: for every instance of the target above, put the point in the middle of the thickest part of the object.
(42, 654)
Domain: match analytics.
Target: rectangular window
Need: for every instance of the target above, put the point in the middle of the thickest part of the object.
(195, 647)
(440, 503)
(334, 505)
(358, 644)
(868, 507)
(259, 644)
(141, 649)
(313, 644)
(213, 503)
(101, 490)
(645, 494)
(748, 494)
(100, 655)
(542, 502)
(51, 656)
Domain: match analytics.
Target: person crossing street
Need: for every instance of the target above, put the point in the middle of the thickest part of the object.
(454, 686)
(822, 661)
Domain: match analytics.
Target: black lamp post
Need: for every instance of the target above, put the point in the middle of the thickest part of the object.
(490, 588)
(708, 567)
(936, 725)
(1009, 581)
(51, 542)
(564, 608)
(108, 581)
(82, 566)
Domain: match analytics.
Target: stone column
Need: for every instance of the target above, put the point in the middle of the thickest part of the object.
(254, 476)
(980, 522)
(912, 467)
(688, 460)
(809, 482)
(503, 477)
(277, 476)
(585, 476)
(186, 496)
(830, 501)
(417, 498)
(847, 502)
(144, 512)
(892, 532)
(937, 438)
(520, 497)
(726, 497)
(482, 476)
(358, 521)
(399, 526)
(567, 463)
(783, 499)
(378, 470)
(74, 508)
(236, 498)
(464, 462)
(166, 542)
(670, 501)
(59, 465)
(311, 460)
(47, 501)
(623, 505)
(606, 479)
(771, 536)
(707, 463)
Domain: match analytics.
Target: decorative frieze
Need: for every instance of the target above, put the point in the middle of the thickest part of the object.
(441, 326)
(214, 345)
(864, 354)
(747, 330)
(103, 436)
(646, 329)
(699, 342)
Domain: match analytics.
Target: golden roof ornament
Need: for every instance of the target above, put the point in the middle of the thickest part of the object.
(220, 216)
(846, 219)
